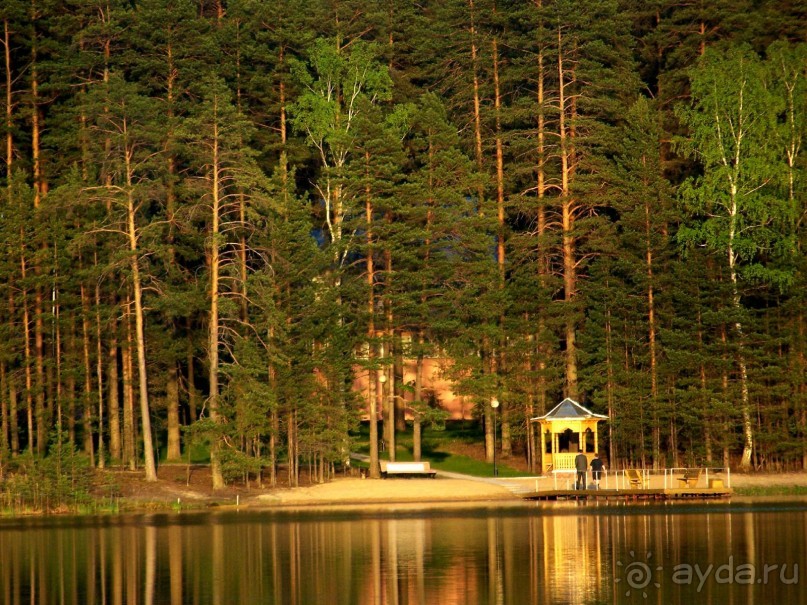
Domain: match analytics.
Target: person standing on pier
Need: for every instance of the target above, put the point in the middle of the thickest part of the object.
(596, 469)
(581, 464)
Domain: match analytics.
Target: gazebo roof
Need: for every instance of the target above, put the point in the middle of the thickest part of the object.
(569, 409)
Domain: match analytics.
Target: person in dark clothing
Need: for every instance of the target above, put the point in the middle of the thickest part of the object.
(581, 465)
(596, 469)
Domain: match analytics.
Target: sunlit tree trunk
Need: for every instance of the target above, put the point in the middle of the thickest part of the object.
(140, 335)
(9, 105)
(610, 385)
(372, 372)
(213, 319)
(417, 428)
(729, 121)
(113, 399)
(651, 330)
(99, 371)
(507, 446)
(542, 232)
(174, 452)
(129, 437)
(567, 222)
(40, 190)
(173, 427)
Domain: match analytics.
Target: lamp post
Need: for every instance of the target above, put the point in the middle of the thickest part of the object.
(494, 403)
(389, 417)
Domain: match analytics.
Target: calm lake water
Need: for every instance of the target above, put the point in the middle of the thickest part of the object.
(561, 553)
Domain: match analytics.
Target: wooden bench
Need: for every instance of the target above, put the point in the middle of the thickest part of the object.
(637, 479)
(690, 477)
(406, 469)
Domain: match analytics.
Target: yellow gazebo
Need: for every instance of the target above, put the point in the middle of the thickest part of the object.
(566, 430)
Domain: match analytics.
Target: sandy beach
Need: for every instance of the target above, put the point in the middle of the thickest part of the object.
(368, 491)
(451, 490)
(446, 489)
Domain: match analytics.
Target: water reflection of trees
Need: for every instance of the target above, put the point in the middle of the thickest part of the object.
(549, 557)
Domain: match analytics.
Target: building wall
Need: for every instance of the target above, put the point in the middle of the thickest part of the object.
(459, 407)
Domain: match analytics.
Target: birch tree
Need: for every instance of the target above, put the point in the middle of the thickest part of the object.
(337, 83)
(737, 213)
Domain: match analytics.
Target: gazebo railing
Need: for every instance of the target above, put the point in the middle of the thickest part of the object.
(563, 462)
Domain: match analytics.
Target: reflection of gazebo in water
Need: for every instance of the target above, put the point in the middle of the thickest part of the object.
(567, 430)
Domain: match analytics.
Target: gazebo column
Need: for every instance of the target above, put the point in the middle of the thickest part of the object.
(554, 437)
(582, 441)
(596, 440)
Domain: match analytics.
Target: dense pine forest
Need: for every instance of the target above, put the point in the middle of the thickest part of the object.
(217, 215)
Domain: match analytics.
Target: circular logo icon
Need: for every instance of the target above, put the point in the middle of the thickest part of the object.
(637, 575)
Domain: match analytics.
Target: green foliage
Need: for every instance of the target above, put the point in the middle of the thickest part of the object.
(354, 135)
(731, 119)
(772, 490)
(62, 480)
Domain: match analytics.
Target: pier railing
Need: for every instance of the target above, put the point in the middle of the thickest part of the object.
(669, 478)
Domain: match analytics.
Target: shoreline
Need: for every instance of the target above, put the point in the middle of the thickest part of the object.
(136, 496)
(441, 492)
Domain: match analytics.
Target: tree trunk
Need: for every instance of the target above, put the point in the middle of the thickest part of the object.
(745, 403)
(213, 321)
(293, 450)
(610, 385)
(71, 387)
(26, 326)
(477, 104)
(418, 395)
(567, 221)
(7, 384)
(193, 395)
(543, 254)
(174, 450)
(129, 437)
(89, 447)
(490, 438)
(13, 407)
(140, 337)
(113, 400)
(174, 444)
(507, 446)
(99, 372)
(388, 388)
(59, 359)
(651, 333)
(4, 411)
(372, 373)
(40, 189)
(399, 403)
(9, 103)
(705, 415)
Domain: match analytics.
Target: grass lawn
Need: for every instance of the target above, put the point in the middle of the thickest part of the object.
(771, 490)
(439, 448)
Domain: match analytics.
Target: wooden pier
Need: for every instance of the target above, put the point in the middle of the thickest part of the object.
(629, 495)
